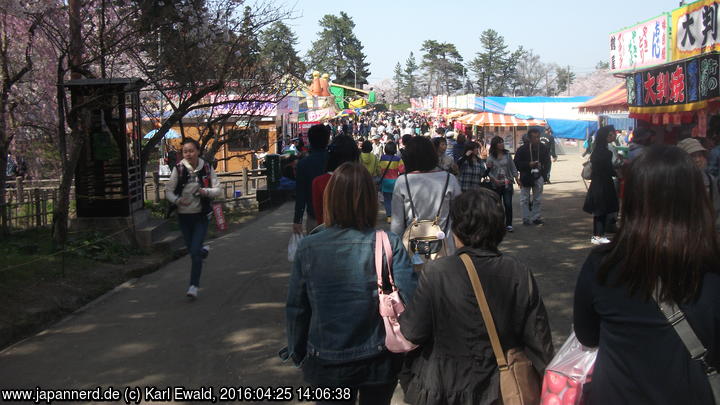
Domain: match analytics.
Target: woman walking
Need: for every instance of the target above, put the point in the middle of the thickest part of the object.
(666, 251)
(191, 187)
(391, 166)
(503, 174)
(335, 332)
(445, 161)
(472, 168)
(455, 363)
(601, 198)
(429, 188)
(369, 160)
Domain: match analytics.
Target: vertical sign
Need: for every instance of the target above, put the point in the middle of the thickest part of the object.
(641, 46)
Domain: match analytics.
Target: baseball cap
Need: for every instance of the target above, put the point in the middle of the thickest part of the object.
(690, 146)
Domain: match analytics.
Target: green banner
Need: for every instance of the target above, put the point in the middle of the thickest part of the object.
(339, 94)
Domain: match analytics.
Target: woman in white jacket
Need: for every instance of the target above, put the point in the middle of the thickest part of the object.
(192, 186)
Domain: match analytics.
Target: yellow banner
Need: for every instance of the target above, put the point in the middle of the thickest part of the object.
(695, 29)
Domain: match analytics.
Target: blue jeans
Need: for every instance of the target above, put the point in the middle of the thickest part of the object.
(193, 228)
(506, 194)
(387, 201)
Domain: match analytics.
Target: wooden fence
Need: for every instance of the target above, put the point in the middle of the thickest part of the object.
(30, 203)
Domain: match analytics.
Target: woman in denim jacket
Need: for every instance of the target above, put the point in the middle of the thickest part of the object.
(335, 332)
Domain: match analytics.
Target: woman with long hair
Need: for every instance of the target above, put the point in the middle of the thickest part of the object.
(335, 332)
(191, 187)
(503, 174)
(455, 362)
(601, 199)
(445, 161)
(472, 168)
(666, 250)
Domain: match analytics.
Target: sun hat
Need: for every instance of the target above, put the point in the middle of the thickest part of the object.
(375, 137)
(690, 146)
(450, 134)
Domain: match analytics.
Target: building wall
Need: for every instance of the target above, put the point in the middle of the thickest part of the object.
(238, 160)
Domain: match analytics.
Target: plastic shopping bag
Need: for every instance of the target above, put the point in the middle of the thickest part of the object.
(567, 373)
(293, 245)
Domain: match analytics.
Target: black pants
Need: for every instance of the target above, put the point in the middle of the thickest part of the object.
(369, 395)
(599, 222)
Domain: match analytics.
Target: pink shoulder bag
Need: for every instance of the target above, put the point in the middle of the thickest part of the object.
(391, 305)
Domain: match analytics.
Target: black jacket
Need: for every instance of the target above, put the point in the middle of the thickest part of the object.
(641, 359)
(455, 362)
(523, 159)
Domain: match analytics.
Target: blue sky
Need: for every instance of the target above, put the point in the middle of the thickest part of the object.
(565, 32)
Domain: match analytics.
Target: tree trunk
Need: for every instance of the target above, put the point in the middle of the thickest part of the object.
(61, 213)
(4, 146)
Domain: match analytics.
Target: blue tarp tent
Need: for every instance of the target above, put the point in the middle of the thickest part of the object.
(570, 129)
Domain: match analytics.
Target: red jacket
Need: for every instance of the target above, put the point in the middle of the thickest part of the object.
(318, 189)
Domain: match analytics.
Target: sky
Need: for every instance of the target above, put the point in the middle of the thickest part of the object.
(569, 33)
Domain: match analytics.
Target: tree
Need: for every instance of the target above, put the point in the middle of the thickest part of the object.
(531, 72)
(443, 66)
(602, 65)
(22, 100)
(277, 44)
(409, 75)
(564, 77)
(399, 80)
(338, 52)
(496, 64)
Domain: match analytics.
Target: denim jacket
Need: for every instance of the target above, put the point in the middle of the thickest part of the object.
(332, 305)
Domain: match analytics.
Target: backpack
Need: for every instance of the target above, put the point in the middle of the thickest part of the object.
(203, 177)
(424, 239)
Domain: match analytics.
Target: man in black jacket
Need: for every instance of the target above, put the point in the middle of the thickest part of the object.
(532, 161)
(548, 140)
(305, 172)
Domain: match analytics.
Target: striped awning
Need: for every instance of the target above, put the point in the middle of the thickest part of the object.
(488, 119)
(614, 99)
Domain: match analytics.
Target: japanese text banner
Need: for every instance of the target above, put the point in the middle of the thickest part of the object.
(676, 86)
(641, 46)
(695, 29)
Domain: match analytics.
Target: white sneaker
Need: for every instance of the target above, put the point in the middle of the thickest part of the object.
(205, 251)
(603, 240)
(509, 228)
(595, 240)
(192, 292)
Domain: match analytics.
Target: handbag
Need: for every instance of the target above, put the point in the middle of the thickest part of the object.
(391, 305)
(425, 239)
(519, 381)
(586, 172)
(676, 317)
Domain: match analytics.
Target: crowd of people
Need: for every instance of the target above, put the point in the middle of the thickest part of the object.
(448, 199)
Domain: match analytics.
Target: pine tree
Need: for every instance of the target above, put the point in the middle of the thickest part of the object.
(496, 64)
(399, 80)
(277, 49)
(443, 65)
(411, 68)
(338, 52)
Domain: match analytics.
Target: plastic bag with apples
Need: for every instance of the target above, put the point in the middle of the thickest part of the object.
(566, 374)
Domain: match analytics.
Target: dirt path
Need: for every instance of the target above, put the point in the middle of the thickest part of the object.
(147, 334)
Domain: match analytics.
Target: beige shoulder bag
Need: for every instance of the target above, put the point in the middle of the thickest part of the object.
(519, 381)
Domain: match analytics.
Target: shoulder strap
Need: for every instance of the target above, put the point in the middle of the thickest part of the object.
(485, 311)
(386, 170)
(442, 196)
(183, 176)
(676, 317)
(412, 206)
(382, 245)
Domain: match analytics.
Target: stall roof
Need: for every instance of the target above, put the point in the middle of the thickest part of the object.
(614, 99)
(488, 119)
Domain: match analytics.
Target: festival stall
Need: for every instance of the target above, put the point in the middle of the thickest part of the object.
(504, 125)
(671, 65)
